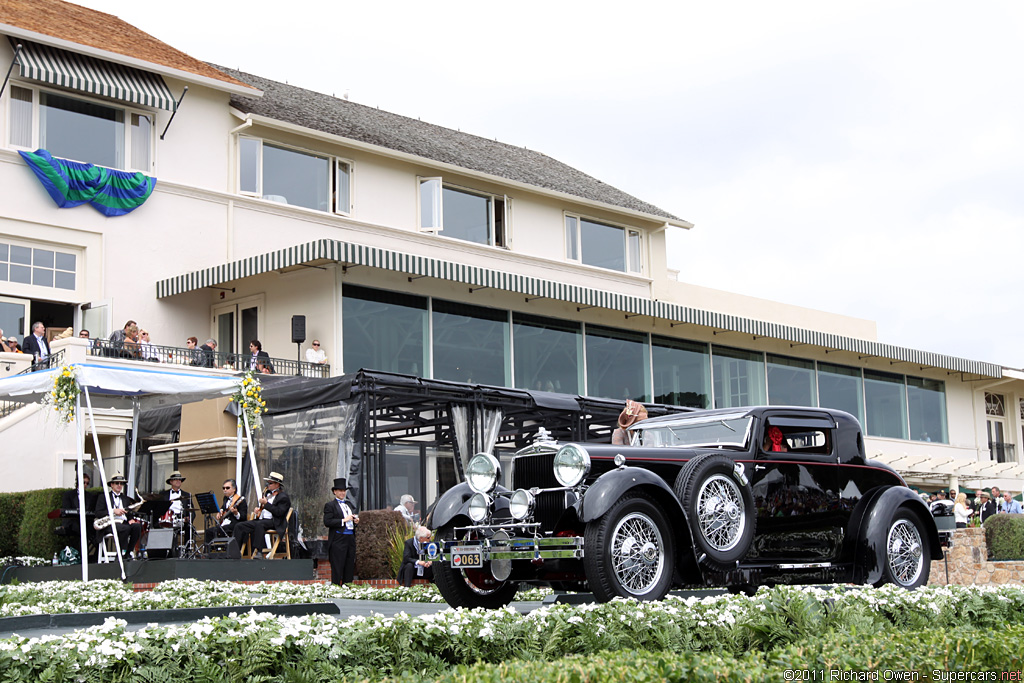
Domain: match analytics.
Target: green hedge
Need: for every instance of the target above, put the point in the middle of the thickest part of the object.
(12, 507)
(36, 535)
(373, 543)
(1004, 535)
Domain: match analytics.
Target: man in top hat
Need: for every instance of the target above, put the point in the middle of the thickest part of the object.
(630, 415)
(128, 528)
(272, 514)
(340, 518)
(986, 508)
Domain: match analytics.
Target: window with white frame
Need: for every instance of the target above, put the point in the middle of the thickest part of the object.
(81, 129)
(294, 176)
(27, 265)
(465, 214)
(603, 245)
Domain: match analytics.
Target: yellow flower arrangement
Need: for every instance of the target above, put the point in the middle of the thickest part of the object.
(64, 394)
(249, 397)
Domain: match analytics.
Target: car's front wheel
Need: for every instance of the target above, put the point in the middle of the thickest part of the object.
(630, 551)
(907, 560)
(470, 588)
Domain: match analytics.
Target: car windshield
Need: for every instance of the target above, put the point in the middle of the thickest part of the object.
(718, 431)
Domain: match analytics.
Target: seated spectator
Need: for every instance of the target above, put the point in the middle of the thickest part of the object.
(209, 353)
(260, 359)
(4, 347)
(118, 337)
(194, 356)
(146, 349)
(13, 345)
(412, 566)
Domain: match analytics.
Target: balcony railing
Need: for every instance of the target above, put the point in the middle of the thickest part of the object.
(202, 358)
(1002, 452)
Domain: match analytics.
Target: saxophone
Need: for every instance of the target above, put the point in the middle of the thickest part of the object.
(104, 522)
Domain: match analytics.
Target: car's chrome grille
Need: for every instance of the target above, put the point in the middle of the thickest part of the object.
(549, 508)
(534, 471)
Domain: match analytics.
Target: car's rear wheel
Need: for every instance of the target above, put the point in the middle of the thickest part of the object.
(470, 588)
(630, 551)
(907, 560)
(720, 509)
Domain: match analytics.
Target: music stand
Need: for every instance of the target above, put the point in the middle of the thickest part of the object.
(208, 503)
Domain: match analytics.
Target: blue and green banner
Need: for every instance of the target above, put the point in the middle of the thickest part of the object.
(71, 183)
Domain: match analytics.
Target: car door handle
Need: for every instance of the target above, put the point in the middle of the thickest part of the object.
(758, 468)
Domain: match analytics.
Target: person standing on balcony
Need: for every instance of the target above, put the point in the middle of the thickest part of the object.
(36, 344)
(5, 348)
(146, 350)
(118, 337)
(315, 354)
(259, 361)
(208, 353)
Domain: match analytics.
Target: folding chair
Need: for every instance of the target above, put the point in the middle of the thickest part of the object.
(107, 551)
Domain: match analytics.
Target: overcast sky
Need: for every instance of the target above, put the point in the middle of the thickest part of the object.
(860, 158)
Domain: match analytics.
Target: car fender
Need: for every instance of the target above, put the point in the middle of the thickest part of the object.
(875, 526)
(454, 502)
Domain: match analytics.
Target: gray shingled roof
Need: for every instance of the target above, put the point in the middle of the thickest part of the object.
(328, 114)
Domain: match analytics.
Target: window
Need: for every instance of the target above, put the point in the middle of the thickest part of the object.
(618, 364)
(738, 377)
(81, 130)
(548, 354)
(791, 382)
(293, 176)
(470, 343)
(602, 245)
(464, 214)
(40, 267)
(926, 403)
(384, 331)
(885, 397)
(682, 372)
(840, 387)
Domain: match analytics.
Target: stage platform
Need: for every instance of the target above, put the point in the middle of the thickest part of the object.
(157, 571)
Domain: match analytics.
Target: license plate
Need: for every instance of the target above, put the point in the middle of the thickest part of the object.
(467, 557)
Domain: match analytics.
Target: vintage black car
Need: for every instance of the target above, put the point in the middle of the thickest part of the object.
(731, 497)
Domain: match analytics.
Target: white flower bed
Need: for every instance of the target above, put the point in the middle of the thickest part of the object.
(24, 561)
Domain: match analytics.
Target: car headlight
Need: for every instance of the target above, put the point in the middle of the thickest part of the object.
(572, 463)
(520, 505)
(479, 507)
(483, 473)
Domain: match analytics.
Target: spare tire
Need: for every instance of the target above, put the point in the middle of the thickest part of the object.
(719, 507)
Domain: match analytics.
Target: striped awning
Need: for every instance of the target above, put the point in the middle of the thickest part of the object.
(87, 74)
(412, 264)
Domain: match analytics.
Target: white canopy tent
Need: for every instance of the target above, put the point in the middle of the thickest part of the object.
(125, 387)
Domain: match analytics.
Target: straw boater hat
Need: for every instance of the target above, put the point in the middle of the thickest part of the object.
(117, 479)
(631, 414)
(275, 477)
(407, 498)
(175, 475)
(985, 494)
(340, 484)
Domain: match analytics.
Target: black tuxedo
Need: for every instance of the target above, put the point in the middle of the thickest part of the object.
(186, 502)
(70, 528)
(227, 529)
(31, 345)
(341, 541)
(407, 572)
(986, 510)
(260, 358)
(127, 534)
(254, 530)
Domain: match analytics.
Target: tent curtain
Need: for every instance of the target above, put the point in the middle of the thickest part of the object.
(70, 184)
(476, 431)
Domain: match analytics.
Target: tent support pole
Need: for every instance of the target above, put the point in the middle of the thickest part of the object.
(103, 478)
(238, 457)
(252, 457)
(81, 488)
(134, 458)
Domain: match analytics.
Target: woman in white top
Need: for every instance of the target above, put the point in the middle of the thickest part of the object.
(317, 356)
(960, 511)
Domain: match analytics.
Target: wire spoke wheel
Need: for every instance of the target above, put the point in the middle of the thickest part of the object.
(638, 553)
(720, 517)
(905, 552)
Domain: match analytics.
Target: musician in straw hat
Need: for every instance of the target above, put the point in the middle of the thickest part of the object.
(273, 514)
(128, 528)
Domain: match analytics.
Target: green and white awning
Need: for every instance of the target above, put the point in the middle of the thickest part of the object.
(95, 76)
(411, 264)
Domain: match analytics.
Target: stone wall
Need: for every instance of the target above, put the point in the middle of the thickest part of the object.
(968, 565)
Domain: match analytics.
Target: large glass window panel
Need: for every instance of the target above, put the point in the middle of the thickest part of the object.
(430, 203)
(603, 245)
(618, 364)
(21, 116)
(296, 178)
(738, 377)
(791, 382)
(403, 464)
(344, 187)
(682, 372)
(926, 403)
(548, 354)
(840, 387)
(142, 138)
(466, 216)
(80, 130)
(634, 251)
(384, 331)
(885, 396)
(249, 165)
(572, 237)
(470, 343)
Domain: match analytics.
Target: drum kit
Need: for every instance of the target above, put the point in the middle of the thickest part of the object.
(173, 533)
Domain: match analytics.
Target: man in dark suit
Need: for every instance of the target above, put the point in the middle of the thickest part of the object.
(340, 518)
(181, 501)
(259, 361)
(987, 508)
(412, 566)
(125, 524)
(273, 514)
(36, 345)
(70, 528)
(232, 510)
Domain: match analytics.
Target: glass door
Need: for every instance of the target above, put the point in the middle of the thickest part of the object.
(235, 324)
(14, 317)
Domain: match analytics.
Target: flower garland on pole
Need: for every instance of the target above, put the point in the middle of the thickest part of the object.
(64, 393)
(249, 397)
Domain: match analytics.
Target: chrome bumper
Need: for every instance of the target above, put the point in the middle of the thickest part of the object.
(506, 548)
